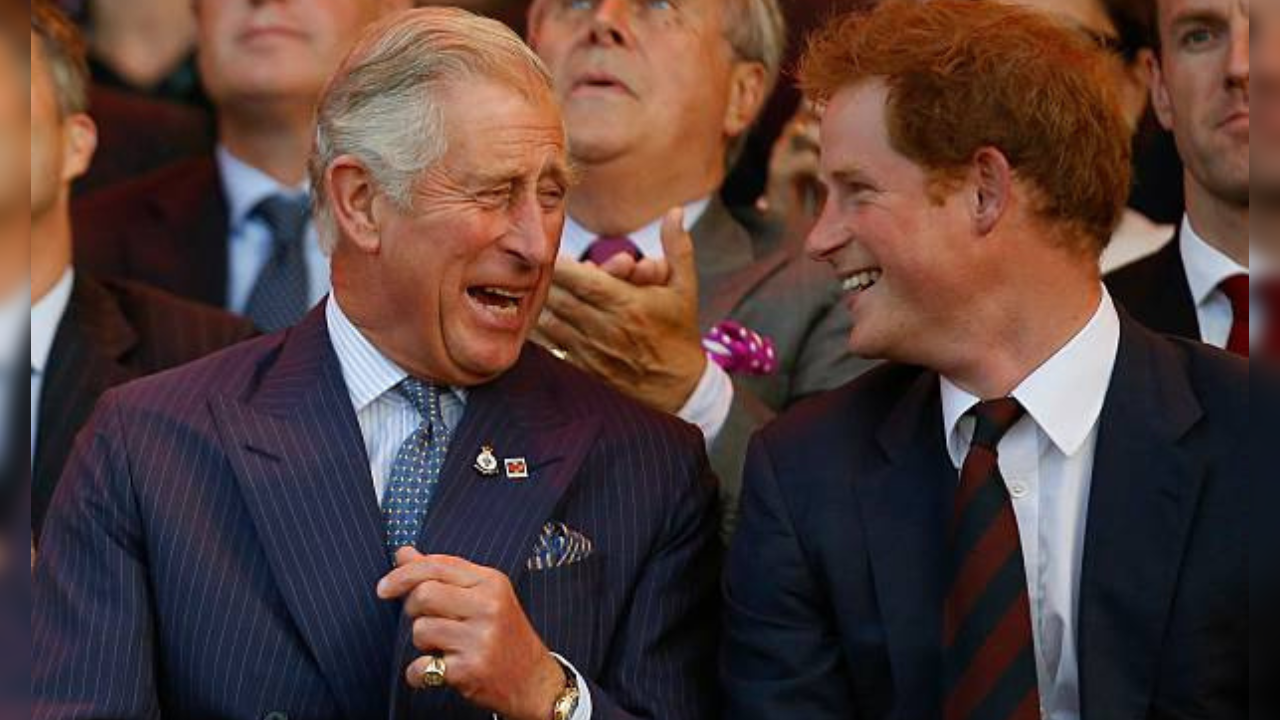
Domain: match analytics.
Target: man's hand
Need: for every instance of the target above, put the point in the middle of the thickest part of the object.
(469, 615)
(634, 324)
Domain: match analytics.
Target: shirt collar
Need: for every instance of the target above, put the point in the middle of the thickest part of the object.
(1064, 396)
(46, 315)
(368, 373)
(1206, 266)
(245, 186)
(13, 310)
(576, 238)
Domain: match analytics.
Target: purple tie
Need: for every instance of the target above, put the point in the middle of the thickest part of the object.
(740, 350)
(605, 247)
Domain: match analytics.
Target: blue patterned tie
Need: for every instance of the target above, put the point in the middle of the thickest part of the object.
(279, 296)
(416, 471)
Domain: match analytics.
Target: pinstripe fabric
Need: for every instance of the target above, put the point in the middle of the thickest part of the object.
(112, 333)
(215, 551)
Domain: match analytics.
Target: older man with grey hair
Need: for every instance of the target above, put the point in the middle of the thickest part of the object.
(702, 317)
(397, 508)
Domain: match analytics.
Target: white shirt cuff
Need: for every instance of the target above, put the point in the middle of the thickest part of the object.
(708, 406)
(584, 693)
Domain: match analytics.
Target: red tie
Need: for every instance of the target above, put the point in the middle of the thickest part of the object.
(988, 651)
(1236, 288)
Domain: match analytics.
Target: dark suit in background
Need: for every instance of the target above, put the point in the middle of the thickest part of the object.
(836, 580)
(216, 549)
(112, 333)
(1155, 292)
(137, 135)
(167, 229)
(763, 280)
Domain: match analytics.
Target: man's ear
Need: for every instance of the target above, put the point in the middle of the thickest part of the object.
(990, 187)
(79, 141)
(1161, 103)
(352, 196)
(533, 21)
(747, 82)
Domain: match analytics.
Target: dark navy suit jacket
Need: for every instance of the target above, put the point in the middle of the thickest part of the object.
(213, 549)
(834, 587)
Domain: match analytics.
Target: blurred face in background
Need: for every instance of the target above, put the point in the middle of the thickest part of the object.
(1092, 19)
(653, 77)
(283, 51)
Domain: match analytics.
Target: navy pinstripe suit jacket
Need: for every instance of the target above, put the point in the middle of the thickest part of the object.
(213, 549)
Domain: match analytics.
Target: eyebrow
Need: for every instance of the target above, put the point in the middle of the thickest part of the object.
(1198, 16)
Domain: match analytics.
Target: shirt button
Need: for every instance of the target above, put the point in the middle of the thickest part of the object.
(1018, 490)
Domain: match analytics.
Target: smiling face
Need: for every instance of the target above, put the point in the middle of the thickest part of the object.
(1200, 91)
(902, 257)
(639, 76)
(465, 271)
(252, 51)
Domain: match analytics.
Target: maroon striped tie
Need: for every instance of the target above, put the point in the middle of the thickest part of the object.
(989, 656)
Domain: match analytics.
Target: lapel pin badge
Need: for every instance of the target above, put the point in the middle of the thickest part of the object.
(517, 468)
(486, 463)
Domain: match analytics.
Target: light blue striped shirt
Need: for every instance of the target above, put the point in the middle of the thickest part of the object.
(387, 419)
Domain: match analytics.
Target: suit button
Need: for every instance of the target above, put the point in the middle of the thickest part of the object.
(275, 715)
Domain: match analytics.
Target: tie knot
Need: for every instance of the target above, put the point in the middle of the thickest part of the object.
(423, 396)
(286, 216)
(1236, 288)
(605, 247)
(994, 418)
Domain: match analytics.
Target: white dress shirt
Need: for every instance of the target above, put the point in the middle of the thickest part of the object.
(1206, 268)
(250, 242)
(708, 405)
(46, 316)
(1046, 460)
(387, 418)
(13, 331)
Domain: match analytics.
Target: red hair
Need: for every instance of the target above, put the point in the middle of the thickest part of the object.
(965, 75)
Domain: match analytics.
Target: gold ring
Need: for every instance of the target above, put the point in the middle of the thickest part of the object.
(433, 673)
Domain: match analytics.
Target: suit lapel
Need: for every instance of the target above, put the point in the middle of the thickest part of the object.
(1162, 297)
(298, 454)
(1142, 501)
(493, 521)
(728, 270)
(87, 358)
(905, 502)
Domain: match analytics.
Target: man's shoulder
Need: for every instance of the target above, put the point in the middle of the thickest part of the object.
(1142, 274)
(579, 394)
(1219, 379)
(183, 392)
(853, 412)
(193, 180)
(173, 330)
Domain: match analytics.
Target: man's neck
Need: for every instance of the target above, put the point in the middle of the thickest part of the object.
(1022, 329)
(276, 142)
(50, 251)
(1265, 231)
(623, 195)
(1223, 225)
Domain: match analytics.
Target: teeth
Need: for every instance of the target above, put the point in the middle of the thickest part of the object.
(509, 294)
(860, 280)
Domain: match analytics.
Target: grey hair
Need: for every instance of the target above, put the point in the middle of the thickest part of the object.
(382, 105)
(757, 32)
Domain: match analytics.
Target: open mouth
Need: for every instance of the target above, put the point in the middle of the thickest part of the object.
(502, 301)
(861, 280)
